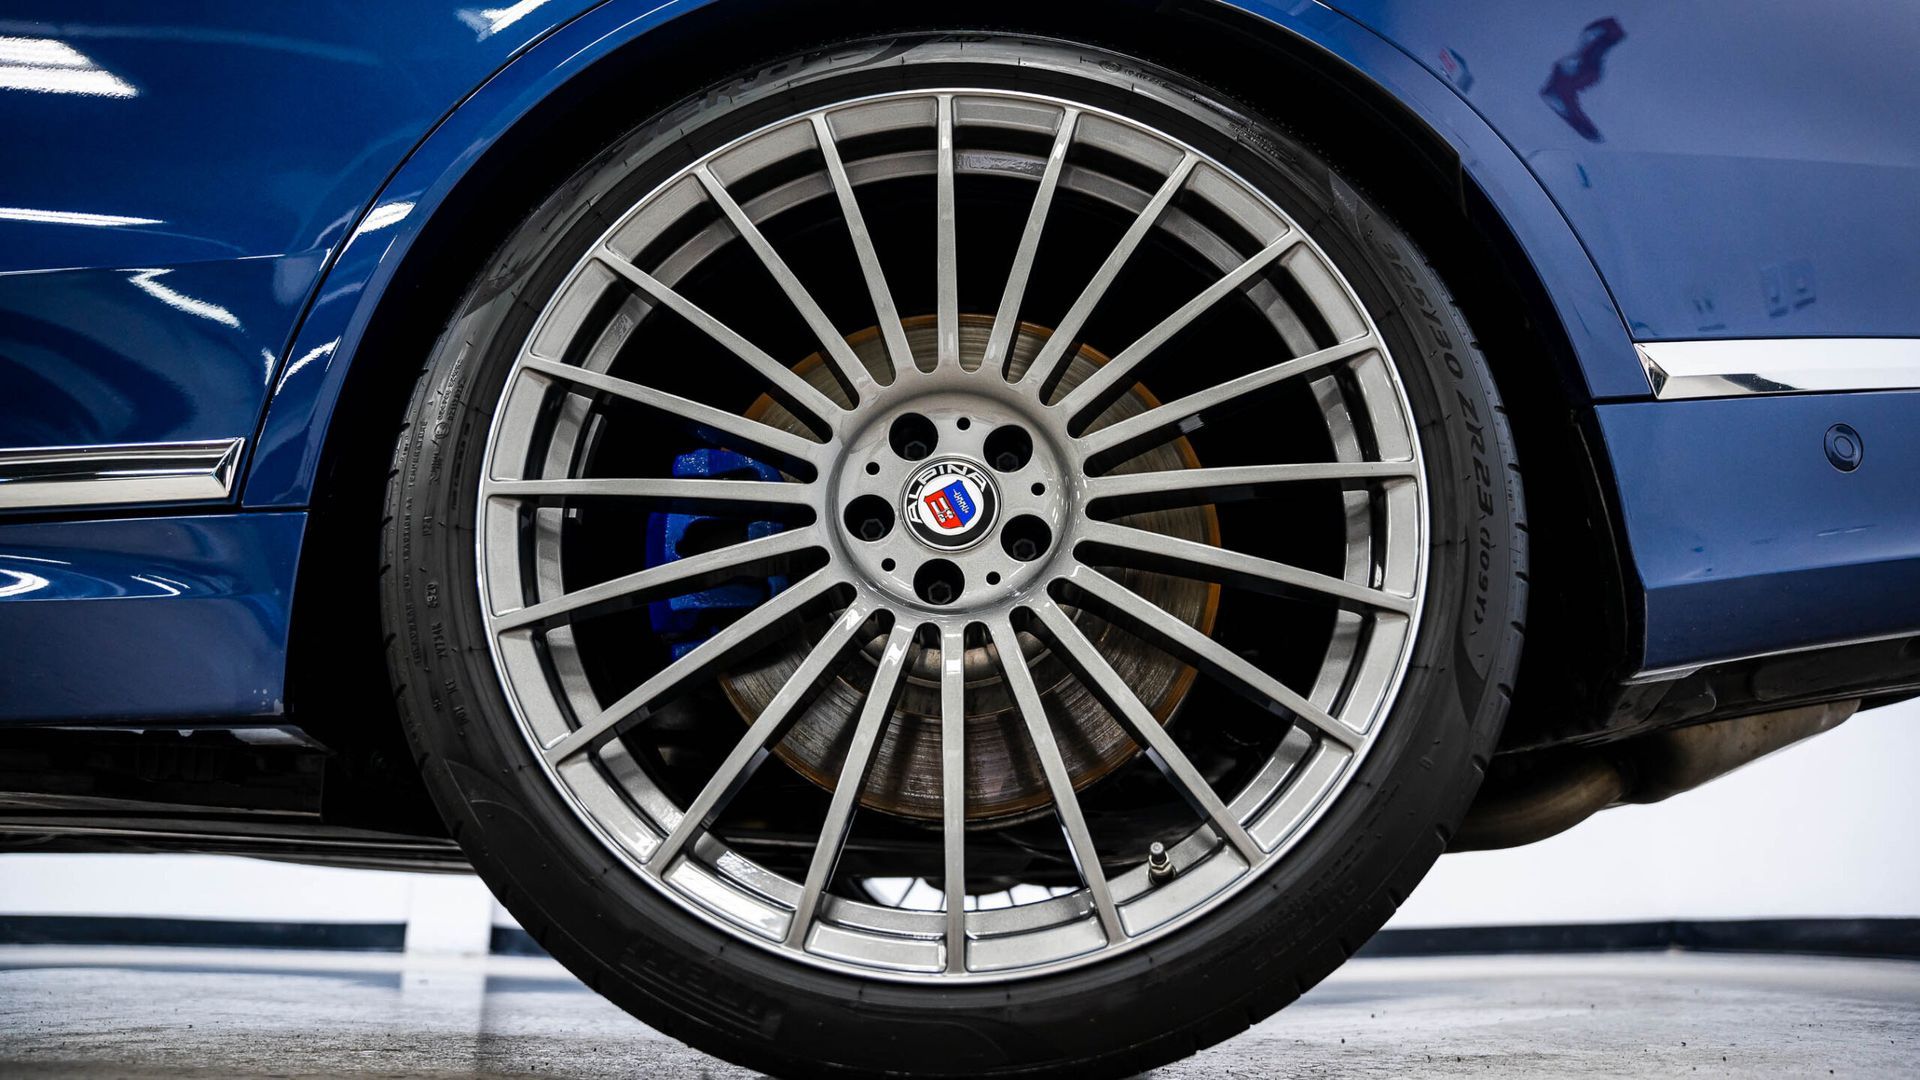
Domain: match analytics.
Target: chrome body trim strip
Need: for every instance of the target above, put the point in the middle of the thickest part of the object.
(1737, 367)
(55, 477)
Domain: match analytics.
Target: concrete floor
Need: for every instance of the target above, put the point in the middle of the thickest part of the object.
(73, 1012)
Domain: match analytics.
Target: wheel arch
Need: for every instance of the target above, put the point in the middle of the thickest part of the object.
(1556, 340)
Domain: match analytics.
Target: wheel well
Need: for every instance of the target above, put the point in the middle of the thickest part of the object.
(337, 678)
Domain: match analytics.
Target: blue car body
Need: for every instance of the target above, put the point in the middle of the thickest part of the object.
(204, 215)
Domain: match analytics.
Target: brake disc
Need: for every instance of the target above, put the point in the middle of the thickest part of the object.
(1004, 778)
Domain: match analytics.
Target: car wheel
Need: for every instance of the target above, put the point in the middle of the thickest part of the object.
(954, 556)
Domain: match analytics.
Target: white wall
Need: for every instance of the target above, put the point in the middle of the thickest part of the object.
(200, 886)
(1828, 827)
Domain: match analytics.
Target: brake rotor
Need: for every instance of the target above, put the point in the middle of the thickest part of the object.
(1004, 777)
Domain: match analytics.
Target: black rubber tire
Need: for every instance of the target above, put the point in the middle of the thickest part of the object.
(1138, 1010)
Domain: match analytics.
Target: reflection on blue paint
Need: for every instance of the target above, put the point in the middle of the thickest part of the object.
(72, 217)
(384, 215)
(1579, 70)
(1454, 67)
(19, 583)
(318, 352)
(148, 281)
(486, 22)
(48, 66)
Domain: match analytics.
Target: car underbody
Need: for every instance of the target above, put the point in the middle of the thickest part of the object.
(275, 791)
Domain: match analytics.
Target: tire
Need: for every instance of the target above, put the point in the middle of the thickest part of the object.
(1239, 961)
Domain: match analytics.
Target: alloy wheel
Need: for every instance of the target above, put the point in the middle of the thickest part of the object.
(981, 563)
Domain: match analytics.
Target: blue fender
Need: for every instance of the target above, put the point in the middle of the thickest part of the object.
(285, 466)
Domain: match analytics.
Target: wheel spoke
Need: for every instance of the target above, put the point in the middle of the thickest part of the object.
(750, 629)
(1013, 664)
(1110, 381)
(768, 553)
(1008, 316)
(853, 374)
(791, 388)
(1169, 488)
(1050, 363)
(1126, 607)
(947, 245)
(874, 715)
(782, 444)
(953, 790)
(1147, 550)
(888, 316)
(1188, 414)
(767, 730)
(1120, 700)
(670, 492)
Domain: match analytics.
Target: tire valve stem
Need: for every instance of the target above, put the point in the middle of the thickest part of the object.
(1159, 864)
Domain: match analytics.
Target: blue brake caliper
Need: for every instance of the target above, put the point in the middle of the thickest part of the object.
(687, 620)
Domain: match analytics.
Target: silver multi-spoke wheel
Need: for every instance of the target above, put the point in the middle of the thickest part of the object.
(963, 567)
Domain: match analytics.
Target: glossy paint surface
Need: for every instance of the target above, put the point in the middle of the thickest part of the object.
(163, 354)
(1749, 540)
(146, 618)
(176, 178)
(1736, 170)
(295, 429)
(291, 437)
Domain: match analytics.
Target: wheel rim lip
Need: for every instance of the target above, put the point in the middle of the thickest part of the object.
(1302, 818)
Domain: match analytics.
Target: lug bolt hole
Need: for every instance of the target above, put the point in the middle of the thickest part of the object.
(938, 582)
(913, 436)
(1009, 448)
(869, 517)
(1026, 538)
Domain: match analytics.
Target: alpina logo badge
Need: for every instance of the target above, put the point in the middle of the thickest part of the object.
(949, 503)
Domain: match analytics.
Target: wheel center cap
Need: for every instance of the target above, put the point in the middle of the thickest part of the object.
(949, 504)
